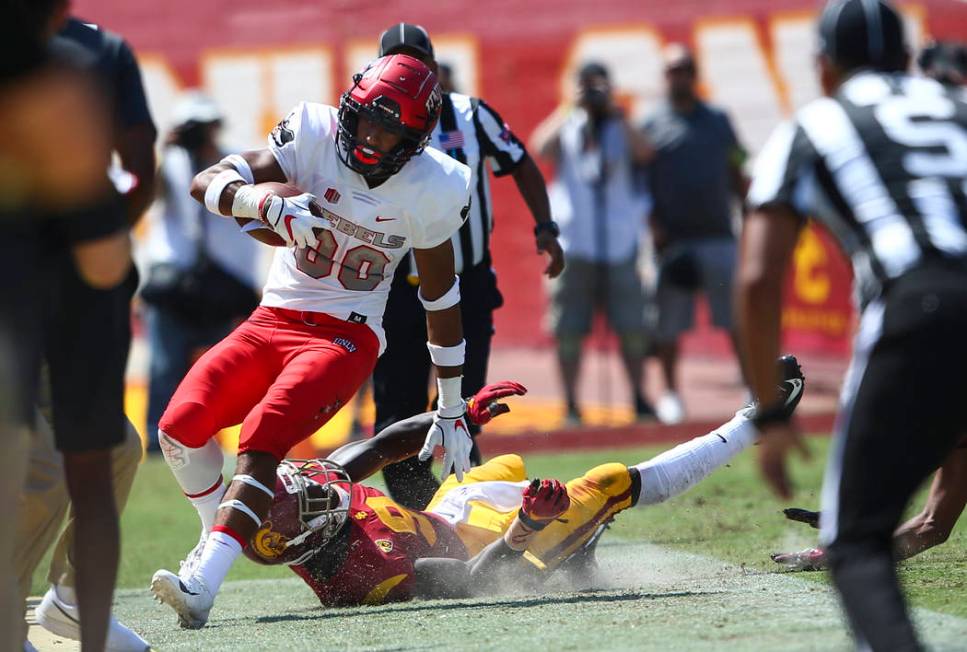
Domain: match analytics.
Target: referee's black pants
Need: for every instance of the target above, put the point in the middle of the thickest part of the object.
(402, 375)
(904, 409)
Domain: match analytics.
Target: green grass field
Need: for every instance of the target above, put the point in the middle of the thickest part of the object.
(693, 573)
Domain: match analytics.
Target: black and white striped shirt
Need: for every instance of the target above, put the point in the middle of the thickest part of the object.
(474, 134)
(884, 165)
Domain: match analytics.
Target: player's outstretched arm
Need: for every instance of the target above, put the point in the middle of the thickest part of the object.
(931, 527)
(404, 439)
(945, 504)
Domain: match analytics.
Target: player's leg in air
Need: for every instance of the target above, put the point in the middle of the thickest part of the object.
(595, 499)
(931, 527)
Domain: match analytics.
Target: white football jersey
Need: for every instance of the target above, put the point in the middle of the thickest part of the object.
(365, 232)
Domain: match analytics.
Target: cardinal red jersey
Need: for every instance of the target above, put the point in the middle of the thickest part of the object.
(371, 560)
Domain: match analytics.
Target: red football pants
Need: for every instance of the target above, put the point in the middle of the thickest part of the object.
(279, 376)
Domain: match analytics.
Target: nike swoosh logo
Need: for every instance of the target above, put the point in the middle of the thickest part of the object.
(66, 615)
(184, 588)
(724, 440)
(385, 219)
(288, 225)
(796, 389)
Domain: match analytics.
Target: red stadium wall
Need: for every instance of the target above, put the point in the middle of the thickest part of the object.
(258, 58)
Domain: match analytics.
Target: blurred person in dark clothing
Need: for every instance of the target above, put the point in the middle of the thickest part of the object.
(183, 238)
(59, 210)
(881, 160)
(945, 61)
(694, 178)
(445, 77)
(85, 289)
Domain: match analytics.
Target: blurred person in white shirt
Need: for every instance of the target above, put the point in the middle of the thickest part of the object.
(601, 217)
(184, 235)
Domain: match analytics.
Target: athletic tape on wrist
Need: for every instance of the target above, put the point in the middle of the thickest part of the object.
(238, 162)
(242, 507)
(214, 191)
(449, 299)
(447, 356)
(252, 482)
(449, 399)
(247, 201)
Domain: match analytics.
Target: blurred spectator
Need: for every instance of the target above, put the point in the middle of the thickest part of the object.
(70, 253)
(445, 78)
(694, 177)
(594, 150)
(201, 267)
(945, 61)
(34, 89)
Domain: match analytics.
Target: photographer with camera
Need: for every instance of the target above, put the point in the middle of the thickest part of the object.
(201, 272)
(594, 150)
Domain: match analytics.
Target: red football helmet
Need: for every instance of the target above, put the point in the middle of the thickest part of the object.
(310, 507)
(400, 94)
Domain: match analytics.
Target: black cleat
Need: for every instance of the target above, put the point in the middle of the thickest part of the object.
(792, 385)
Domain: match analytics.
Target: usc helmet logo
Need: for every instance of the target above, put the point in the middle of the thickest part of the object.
(267, 543)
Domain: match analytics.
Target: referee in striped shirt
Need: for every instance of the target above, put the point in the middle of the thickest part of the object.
(882, 161)
(473, 133)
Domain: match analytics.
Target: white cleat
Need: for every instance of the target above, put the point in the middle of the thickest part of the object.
(670, 409)
(186, 567)
(190, 598)
(63, 619)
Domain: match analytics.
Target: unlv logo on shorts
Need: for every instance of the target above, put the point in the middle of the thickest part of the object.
(332, 196)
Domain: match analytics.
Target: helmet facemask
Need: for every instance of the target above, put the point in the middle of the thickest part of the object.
(376, 95)
(322, 489)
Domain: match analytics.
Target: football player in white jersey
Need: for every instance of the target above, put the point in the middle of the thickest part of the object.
(371, 193)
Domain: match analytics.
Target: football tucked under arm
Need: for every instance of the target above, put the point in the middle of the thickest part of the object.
(256, 228)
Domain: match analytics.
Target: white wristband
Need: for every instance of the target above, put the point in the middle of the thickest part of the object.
(447, 356)
(247, 201)
(449, 299)
(238, 162)
(214, 191)
(449, 401)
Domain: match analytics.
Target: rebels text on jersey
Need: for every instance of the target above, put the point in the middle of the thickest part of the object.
(365, 232)
(371, 560)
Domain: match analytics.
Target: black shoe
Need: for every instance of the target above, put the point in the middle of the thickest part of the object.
(792, 385)
(643, 409)
(573, 417)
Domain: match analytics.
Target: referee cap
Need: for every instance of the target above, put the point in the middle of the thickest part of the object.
(405, 35)
(863, 34)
